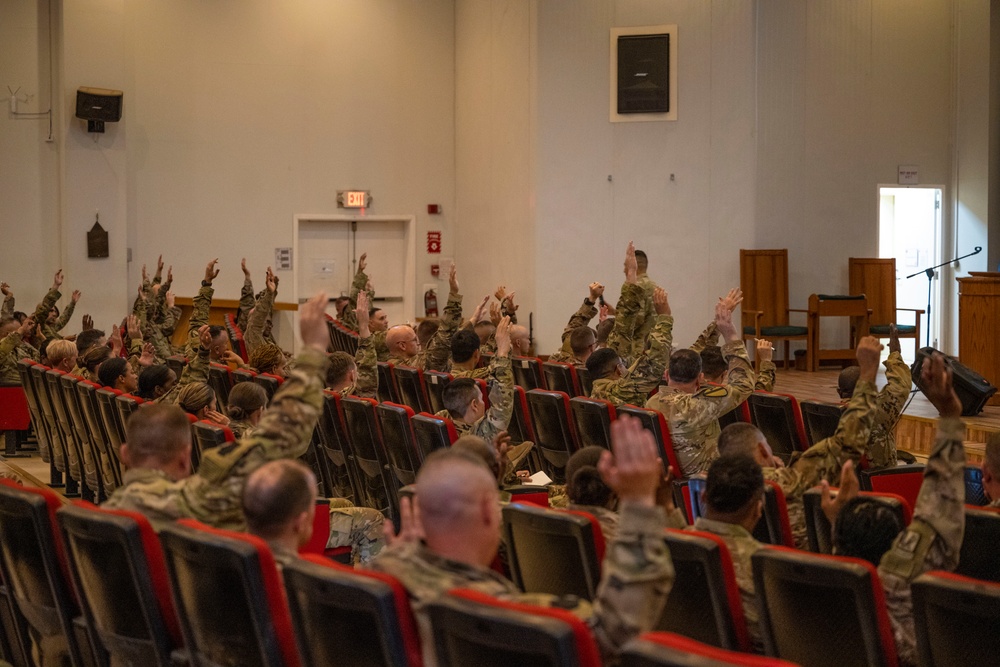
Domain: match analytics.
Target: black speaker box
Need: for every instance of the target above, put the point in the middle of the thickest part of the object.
(99, 104)
(643, 73)
(972, 388)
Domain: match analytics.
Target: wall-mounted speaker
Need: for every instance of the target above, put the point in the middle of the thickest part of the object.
(98, 106)
(643, 74)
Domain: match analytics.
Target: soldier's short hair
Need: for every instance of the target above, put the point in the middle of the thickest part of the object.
(464, 345)
(602, 363)
(847, 380)
(584, 484)
(481, 449)
(152, 377)
(195, 396)
(275, 494)
(458, 396)
(734, 482)
(865, 528)
(111, 370)
(8, 325)
(685, 366)
(604, 330)
(485, 329)
(373, 310)
(992, 458)
(95, 356)
(43, 350)
(713, 363)
(244, 399)
(426, 330)
(341, 363)
(266, 357)
(641, 261)
(157, 433)
(59, 350)
(739, 439)
(215, 330)
(86, 340)
(580, 339)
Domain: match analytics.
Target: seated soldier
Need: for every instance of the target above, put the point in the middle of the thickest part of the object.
(87, 339)
(580, 321)
(892, 398)
(91, 363)
(61, 355)
(465, 355)
(156, 381)
(426, 330)
(244, 408)
(157, 454)
(714, 365)
(54, 322)
(823, 460)
(692, 412)
(452, 534)
(933, 540)
(117, 373)
(268, 358)
(404, 345)
(198, 399)
(582, 342)
(357, 375)
(991, 470)
(13, 349)
(279, 502)
(162, 384)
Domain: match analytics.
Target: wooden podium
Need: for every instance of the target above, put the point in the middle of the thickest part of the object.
(979, 325)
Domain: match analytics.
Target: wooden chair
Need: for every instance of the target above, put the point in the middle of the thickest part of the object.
(826, 305)
(876, 279)
(764, 281)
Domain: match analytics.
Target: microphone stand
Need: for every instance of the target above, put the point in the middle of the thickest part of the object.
(929, 272)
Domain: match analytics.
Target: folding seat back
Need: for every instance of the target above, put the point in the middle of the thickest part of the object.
(242, 375)
(528, 372)
(105, 460)
(974, 493)
(398, 440)
(561, 377)
(682, 499)
(655, 422)
(364, 435)
(34, 568)
(903, 480)
(553, 551)
(818, 529)
(209, 435)
(431, 433)
(978, 558)
(118, 568)
(315, 459)
(337, 448)
(236, 337)
(15, 642)
(778, 418)
(90, 454)
(592, 419)
(35, 408)
(820, 419)
(387, 382)
(774, 526)
(435, 382)
(108, 407)
(369, 610)
(229, 597)
(176, 363)
(520, 427)
(269, 382)
(470, 628)
(956, 620)
(849, 627)
(220, 380)
(741, 413)
(72, 449)
(665, 649)
(704, 602)
(554, 432)
(127, 405)
(410, 383)
(57, 447)
(586, 382)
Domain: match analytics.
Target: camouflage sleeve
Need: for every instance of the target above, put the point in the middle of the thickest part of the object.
(254, 335)
(897, 388)
(629, 304)
(502, 393)
(439, 347)
(506, 312)
(246, 303)
(199, 315)
(196, 370)
(64, 317)
(708, 337)
(580, 318)
(9, 343)
(8, 307)
(366, 359)
(359, 283)
(637, 577)
(647, 372)
(765, 377)
(170, 318)
(740, 381)
(43, 308)
(134, 352)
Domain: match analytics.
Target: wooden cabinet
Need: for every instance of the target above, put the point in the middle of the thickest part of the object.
(979, 325)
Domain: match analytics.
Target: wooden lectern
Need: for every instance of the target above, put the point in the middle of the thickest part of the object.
(979, 325)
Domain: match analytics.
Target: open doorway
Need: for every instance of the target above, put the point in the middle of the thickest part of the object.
(909, 225)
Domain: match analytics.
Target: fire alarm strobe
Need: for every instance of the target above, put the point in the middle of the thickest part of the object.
(98, 106)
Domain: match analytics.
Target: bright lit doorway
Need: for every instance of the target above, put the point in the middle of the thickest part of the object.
(909, 225)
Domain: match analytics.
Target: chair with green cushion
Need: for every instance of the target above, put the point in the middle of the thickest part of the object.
(876, 278)
(764, 281)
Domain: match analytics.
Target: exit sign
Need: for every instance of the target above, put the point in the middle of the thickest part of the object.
(353, 199)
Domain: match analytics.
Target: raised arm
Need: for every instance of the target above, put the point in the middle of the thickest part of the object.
(246, 297)
(254, 335)
(502, 394)
(765, 375)
(42, 309)
(893, 396)
(202, 305)
(586, 312)
(67, 312)
(366, 358)
(8, 301)
(439, 347)
(647, 371)
(630, 304)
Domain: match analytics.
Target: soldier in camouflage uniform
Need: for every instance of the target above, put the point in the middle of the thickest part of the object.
(7, 310)
(892, 398)
(404, 347)
(358, 376)
(452, 535)
(13, 349)
(581, 318)
(359, 284)
(822, 461)
(56, 321)
(692, 412)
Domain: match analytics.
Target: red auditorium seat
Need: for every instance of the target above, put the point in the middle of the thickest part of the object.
(904, 481)
(592, 419)
(956, 620)
(553, 424)
(528, 372)
(818, 526)
(432, 433)
(779, 419)
(562, 377)
(664, 649)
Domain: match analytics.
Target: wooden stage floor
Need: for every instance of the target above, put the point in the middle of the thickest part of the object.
(916, 428)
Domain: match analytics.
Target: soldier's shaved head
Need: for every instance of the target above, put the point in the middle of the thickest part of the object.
(158, 436)
(740, 439)
(520, 340)
(276, 494)
(402, 341)
(847, 380)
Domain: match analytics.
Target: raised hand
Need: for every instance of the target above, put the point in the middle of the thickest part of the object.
(894, 339)
(935, 376)
(831, 502)
(631, 267)
(477, 315)
(210, 271)
(170, 273)
(411, 530)
(115, 339)
(205, 336)
(732, 299)
(503, 337)
(5, 289)
(27, 326)
(230, 357)
(312, 323)
(764, 348)
(148, 356)
(88, 322)
(145, 276)
(57, 280)
(453, 279)
(159, 266)
(660, 303)
(724, 321)
(509, 303)
(246, 271)
(142, 295)
(271, 281)
(500, 292)
(76, 296)
(362, 262)
(132, 325)
(634, 472)
(603, 313)
(596, 291)
(495, 313)
(868, 352)
(361, 312)
(170, 299)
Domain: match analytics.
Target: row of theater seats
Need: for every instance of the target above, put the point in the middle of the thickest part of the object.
(104, 585)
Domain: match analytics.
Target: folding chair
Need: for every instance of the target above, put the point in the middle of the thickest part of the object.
(528, 372)
(592, 419)
(435, 382)
(127, 405)
(665, 649)
(978, 557)
(410, 383)
(704, 602)
(105, 459)
(904, 481)
(117, 566)
(269, 382)
(432, 433)
(956, 620)
(654, 422)
(176, 363)
(741, 413)
(529, 493)
(470, 628)
(369, 610)
(220, 380)
(818, 528)
(586, 383)
(333, 440)
(520, 427)
(73, 451)
(553, 551)
(229, 597)
(399, 442)
(820, 419)
(108, 408)
(778, 418)
(90, 461)
(387, 383)
(242, 375)
(57, 446)
(209, 435)
(365, 438)
(774, 526)
(554, 432)
(849, 627)
(15, 643)
(561, 377)
(34, 407)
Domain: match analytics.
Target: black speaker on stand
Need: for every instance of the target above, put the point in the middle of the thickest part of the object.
(972, 388)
